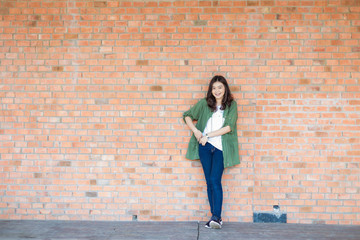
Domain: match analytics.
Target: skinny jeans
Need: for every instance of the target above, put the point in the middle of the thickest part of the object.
(212, 162)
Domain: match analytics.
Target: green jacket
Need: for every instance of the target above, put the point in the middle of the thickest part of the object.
(202, 113)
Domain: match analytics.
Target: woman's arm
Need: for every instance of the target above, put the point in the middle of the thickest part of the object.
(190, 123)
(221, 131)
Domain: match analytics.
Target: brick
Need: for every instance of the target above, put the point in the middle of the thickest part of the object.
(166, 170)
(156, 88)
(71, 36)
(91, 194)
(353, 153)
(304, 81)
(252, 3)
(100, 4)
(101, 101)
(58, 69)
(4, 11)
(319, 62)
(200, 23)
(267, 2)
(142, 62)
(64, 163)
(37, 175)
(275, 29)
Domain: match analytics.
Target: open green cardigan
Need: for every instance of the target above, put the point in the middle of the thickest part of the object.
(201, 113)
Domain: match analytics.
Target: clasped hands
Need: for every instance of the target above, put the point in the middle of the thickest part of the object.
(200, 138)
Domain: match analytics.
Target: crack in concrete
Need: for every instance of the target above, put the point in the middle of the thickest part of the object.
(198, 230)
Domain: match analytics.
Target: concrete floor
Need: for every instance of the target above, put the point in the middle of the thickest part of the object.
(94, 230)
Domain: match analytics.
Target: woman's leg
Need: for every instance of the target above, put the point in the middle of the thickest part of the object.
(215, 182)
(206, 162)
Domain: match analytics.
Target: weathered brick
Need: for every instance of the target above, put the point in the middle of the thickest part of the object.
(253, 3)
(275, 29)
(101, 101)
(4, 11)
(91, 194)
(156, 88)
(200, 22)
(64, 163)
(100, 4)
(37, 175)
(304, 81)
(142, 62)
(58, 69)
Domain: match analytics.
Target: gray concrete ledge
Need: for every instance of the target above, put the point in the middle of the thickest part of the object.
(98, 230)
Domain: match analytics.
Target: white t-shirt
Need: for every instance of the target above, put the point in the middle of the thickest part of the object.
(215, 123)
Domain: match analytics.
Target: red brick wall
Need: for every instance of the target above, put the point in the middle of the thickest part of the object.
(92, 94)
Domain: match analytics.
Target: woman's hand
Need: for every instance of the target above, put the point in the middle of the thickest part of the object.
(197, 132)
(198, 135)
(203, 140)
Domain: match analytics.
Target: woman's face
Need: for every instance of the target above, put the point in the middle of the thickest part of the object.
(218, 91)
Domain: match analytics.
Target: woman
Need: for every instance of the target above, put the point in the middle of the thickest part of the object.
(214, 140)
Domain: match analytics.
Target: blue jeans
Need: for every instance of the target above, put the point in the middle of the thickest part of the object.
(212, 162)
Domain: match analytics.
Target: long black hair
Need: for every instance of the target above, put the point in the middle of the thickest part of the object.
(227, 99)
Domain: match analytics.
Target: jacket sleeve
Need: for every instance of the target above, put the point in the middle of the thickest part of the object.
(195, 111)
(232, 116)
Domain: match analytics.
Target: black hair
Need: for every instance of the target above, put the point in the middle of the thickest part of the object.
(227, 99)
